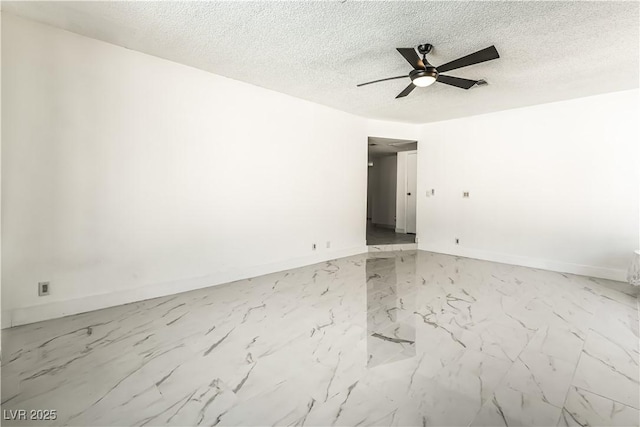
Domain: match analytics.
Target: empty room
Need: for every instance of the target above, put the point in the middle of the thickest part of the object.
(320, 213)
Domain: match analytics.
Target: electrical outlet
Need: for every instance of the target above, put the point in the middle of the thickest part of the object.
(313, 246)
(328, 244)
(457, 241)
(465, 194)
(44, 288)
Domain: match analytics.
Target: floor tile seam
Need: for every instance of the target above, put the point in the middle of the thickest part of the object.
(623, 303)
(590, 391)
(560, 358)
(575, 369)
(500, 383)
(617, 343)
(607, 398)
(503, 383)
(535, 397)
(560, 409)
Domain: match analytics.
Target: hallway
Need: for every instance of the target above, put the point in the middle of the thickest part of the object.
(386, 236)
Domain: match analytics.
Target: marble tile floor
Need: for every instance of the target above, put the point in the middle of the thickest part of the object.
(396, 247)
(392, 338)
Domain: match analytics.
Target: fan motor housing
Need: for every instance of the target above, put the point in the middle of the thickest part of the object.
(427, 72)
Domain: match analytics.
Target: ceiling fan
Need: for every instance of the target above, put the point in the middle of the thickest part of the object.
(425, 74)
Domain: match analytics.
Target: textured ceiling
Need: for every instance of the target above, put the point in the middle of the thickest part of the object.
(319, 51)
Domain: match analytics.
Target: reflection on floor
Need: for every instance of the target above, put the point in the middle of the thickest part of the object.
(377, 235)
(406, 338)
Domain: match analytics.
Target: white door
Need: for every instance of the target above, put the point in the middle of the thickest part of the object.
(412, 167)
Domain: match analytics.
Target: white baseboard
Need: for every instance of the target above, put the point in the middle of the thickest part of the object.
(562, 267)
(56, 309)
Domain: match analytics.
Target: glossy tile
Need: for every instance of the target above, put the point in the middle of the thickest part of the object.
(393, 247)
(583, 408)
(509, 407)
(384, 338)
(609, 369)
(545, 377)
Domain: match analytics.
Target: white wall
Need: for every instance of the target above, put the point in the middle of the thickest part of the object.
(125, 176)
(553, 186)
(1, 317)
(383, 191)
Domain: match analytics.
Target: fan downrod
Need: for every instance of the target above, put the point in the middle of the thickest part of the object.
(425, 48)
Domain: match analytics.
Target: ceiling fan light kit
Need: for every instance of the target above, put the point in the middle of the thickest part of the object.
(424, 78)
(425, 74)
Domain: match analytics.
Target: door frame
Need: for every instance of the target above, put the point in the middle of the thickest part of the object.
(406, 197)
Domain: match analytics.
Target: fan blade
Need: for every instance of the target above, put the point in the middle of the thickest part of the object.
(475, 58)
(406, 91)
(457, 81)
(382, 80)
(412, 57)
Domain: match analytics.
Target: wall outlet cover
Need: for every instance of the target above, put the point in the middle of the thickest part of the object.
(44, 288)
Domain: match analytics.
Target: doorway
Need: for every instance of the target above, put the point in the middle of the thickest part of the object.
(391, 191)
